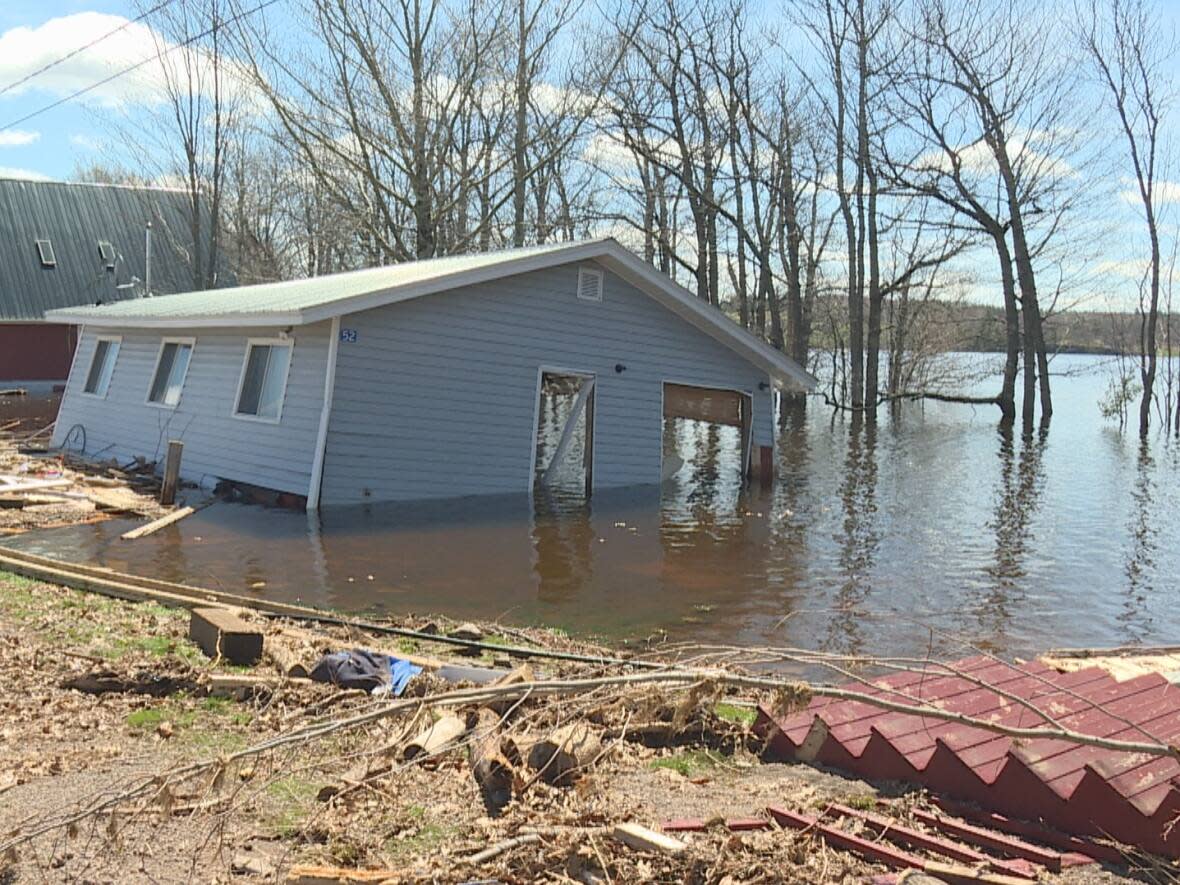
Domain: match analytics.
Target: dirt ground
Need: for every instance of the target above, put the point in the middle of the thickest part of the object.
(66, 756)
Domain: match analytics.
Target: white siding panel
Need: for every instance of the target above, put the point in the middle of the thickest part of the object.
(436, 396)
(216, 444)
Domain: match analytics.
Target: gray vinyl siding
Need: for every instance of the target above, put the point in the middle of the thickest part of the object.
(216, 444)
(437, 396)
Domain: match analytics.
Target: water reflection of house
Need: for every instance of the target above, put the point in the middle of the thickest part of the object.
(64, 245)
(425, 379)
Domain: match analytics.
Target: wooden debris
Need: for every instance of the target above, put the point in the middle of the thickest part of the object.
(490, 767)
(171, 472)
(287, 656)
(500, 847)
(157, 524)
(470, 632)
(435, 737)
(562, 756)
(242, 686)
(32, 485)
(643, 839)
(309, 874)
(221, 633)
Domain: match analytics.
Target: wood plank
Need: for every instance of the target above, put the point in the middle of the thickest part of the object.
(643, 839)
(156, 524)
(222, 634)
(33, 485)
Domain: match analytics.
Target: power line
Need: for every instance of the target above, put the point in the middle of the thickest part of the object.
(95, 42)
(139, 64)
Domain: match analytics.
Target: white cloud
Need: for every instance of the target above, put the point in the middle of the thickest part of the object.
(24, 50)
(29, 174)
(17, 137)
(1165, 192)
(85, 142)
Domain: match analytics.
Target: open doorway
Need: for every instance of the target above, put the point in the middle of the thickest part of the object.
(707, 433)
(563, 456)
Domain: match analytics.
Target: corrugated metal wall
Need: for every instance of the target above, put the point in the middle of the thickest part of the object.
(216, 444)
(436, 396)
(74, 217)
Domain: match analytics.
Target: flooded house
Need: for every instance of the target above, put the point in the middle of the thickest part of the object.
(427, 379)
(67, 244)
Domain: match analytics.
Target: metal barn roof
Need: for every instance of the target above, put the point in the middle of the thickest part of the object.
(75, 219)
(299, 302)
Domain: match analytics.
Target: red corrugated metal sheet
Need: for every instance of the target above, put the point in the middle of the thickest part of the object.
(1079, 789)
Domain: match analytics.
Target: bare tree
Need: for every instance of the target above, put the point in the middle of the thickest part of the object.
(203, 95)
(1131, 51)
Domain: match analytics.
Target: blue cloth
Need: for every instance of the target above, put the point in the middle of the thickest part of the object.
(400, 674)
(364, 669)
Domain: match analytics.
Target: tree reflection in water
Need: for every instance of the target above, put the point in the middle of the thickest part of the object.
(1018, 498)
(1143, 542)
(859, 539)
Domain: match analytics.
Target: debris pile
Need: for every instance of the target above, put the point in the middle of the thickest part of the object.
(509, 755)
(40, 488)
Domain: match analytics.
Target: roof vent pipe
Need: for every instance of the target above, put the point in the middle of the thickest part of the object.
(147, 261)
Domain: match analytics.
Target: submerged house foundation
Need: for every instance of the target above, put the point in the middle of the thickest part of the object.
(422, 380)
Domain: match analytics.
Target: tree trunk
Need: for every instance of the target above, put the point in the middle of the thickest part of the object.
(520, 131)
(1147, 350)
(1007, 398)
(873, 354)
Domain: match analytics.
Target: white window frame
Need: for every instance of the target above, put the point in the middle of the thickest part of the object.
(250, 344)
(117, 340)
(43, 244)
(599, 276)
(147, 397)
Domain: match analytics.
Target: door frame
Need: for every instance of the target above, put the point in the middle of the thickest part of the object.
(591, 415)
(746, 429)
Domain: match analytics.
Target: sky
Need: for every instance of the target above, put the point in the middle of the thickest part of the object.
(79, 133)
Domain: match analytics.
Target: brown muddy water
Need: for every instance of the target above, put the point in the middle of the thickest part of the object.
(933, 528)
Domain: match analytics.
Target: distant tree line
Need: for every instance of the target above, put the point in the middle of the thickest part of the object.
(839, 175)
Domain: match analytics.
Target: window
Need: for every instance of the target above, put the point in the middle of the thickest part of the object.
(107, 253)
(264, 380)
(171, 367)
(45, 251)
(102, 366)
(589, 284)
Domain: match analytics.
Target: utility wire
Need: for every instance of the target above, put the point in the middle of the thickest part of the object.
(96, 41)
(139, 64)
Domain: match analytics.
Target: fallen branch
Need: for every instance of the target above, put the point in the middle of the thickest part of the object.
(500, 847)
(482, 695)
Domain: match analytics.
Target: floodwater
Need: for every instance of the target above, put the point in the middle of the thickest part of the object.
(932, 528)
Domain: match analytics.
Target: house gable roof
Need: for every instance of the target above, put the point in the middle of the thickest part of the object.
(299, 302)
(75, 218)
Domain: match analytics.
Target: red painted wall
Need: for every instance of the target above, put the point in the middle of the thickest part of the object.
(36, 351)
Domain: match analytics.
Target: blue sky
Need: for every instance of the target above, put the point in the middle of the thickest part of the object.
(52, 144)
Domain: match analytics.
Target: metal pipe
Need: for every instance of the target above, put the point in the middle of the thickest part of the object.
(147, 262)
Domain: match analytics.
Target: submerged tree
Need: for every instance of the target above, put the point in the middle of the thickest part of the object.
(1131, 52)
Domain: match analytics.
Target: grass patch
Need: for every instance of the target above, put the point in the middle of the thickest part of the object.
(293, 799)
(687, 763)
(733, 713)
(425, 839)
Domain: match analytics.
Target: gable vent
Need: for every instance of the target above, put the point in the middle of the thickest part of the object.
(45, 253)
(589, 284)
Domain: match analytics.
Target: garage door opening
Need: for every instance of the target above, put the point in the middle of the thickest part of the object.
(706, 434)
(564, 441)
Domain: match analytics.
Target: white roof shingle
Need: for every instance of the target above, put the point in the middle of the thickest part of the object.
(298, 302)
